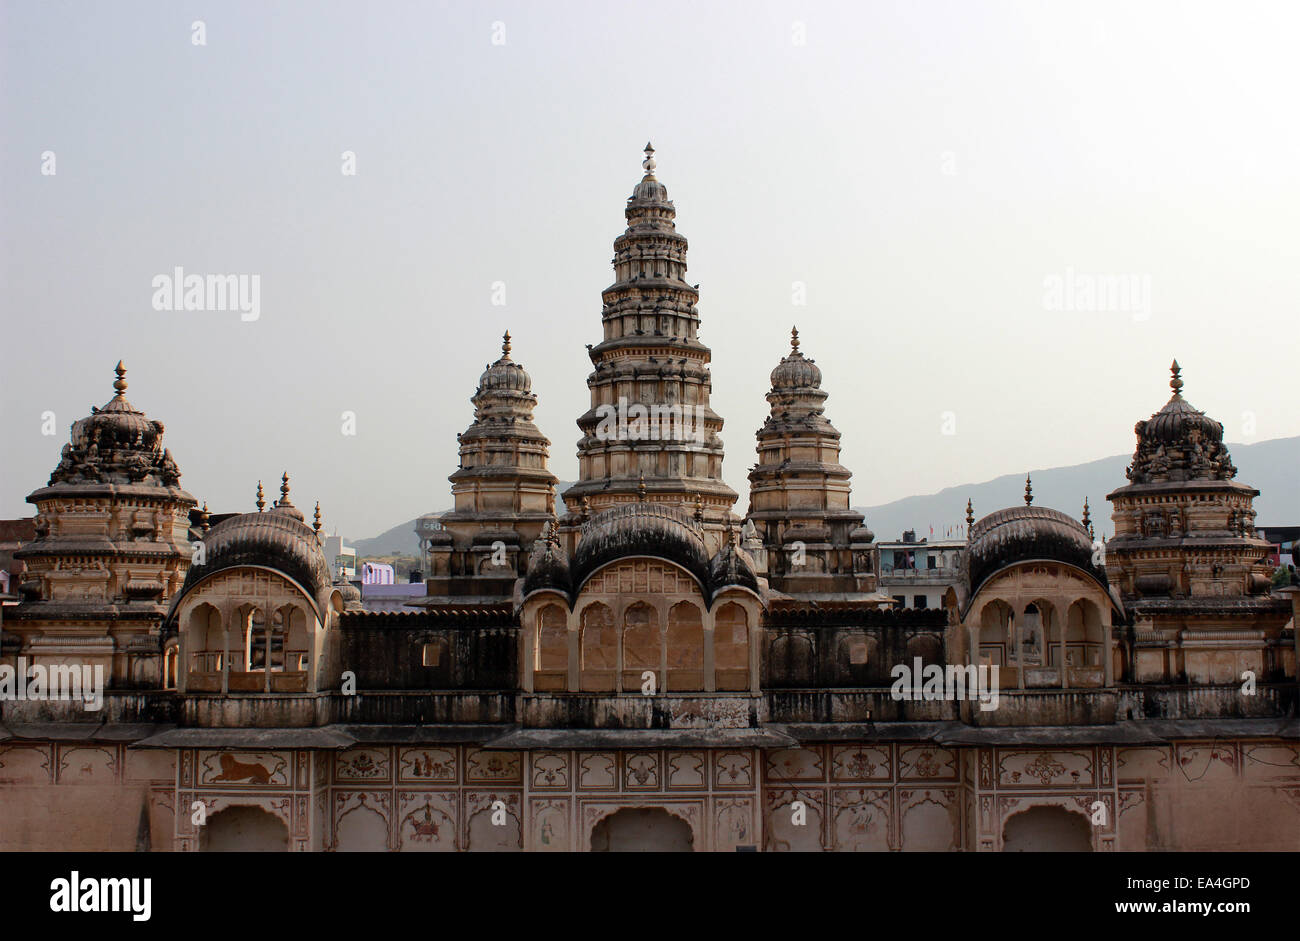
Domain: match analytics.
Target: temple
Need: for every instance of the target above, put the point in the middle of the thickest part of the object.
(637, 664)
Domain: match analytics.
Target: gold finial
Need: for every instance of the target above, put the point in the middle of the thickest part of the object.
(586, 508)
(315, 523)
(699, 509)
(284, 490)
(640, 489)
(119, 384)
(203, 518)
(261, 501)
(649, 162)
(505, 345)
(1087, 517)
(1176, 383)
(970, 517)
(1029, 492)
(794, 339)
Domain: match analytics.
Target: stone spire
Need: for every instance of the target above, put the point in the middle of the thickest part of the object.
(650, 385)
(1183, 524)
(798, 490)
(502, 489)
(111, 548)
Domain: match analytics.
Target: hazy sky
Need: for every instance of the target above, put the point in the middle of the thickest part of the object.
(923, 169)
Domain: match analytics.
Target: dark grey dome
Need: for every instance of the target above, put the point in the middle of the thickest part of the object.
(732, 566)
(1026, 533)
(548, 567)
(277, 539)
(645, 529)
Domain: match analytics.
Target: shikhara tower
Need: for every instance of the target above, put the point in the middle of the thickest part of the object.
(650, 357)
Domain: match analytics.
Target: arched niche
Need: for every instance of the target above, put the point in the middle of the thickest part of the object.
(598, 648)
(551, 652)
(685, 647)
(730, 647)
(642, 645)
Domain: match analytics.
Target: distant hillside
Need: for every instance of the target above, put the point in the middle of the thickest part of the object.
(401, 539)
(1268, 466)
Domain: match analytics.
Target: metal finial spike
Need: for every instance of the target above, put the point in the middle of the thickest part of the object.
(586, 508)
(203, 518)
(1176, 383)
(794, 339)
(640, 489)
(1029, 492)
(315, 523)
(119, 384)
(284, 487)
(1087, 516)
(970, 515)
(505, 344)
(261, 501)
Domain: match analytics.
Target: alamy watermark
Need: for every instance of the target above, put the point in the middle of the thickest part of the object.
(934, 682)
(1098, 293)
(638, 422)
(181, 291)
(60, 681)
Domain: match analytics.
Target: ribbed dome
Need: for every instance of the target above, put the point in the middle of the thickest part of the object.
(1026, 533)
(116, 444)
(796, 371)
(505, 375)
(275, 540)
(645, 529)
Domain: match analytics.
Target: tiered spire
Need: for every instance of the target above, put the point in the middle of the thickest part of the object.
(650, 386)
(799, 491)
(1029, 492)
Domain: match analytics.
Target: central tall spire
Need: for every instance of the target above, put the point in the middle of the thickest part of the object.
(650, 417)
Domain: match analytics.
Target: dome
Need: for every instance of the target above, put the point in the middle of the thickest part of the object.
(1026, 533)
(641, 529)
(548, 565)
(277, 539)
(116, 444)
(505, 375)
(1179, 443)
(732, 566)
(796, 371)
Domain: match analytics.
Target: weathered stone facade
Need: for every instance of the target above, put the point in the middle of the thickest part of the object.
(639, 668)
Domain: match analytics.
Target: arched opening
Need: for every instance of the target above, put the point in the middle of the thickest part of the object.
(1036, 629)
(599, 648)
(642, 645)
(995, 634)
(244, 829)
(685, 647)
(552, 656)
(206, 642)
(642, 830)
(731, 648)
(1084, 645)
(1047, 830)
